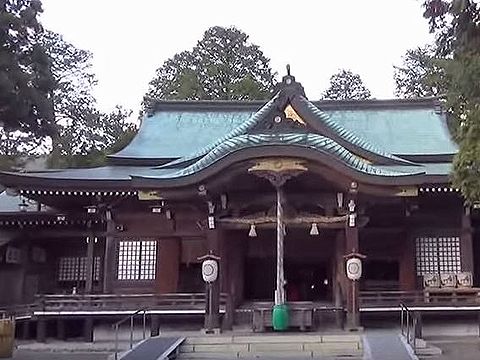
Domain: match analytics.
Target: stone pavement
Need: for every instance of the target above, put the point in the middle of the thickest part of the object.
(383, 344)
(47, 355)
(456, 347)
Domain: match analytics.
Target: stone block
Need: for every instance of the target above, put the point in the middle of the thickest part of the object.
(341, 338)
(275, 355)
(267, 346)
(208, 340)
(226, 348)
(277, 339)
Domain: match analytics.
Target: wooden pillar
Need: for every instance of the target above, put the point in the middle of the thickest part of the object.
(407, 270)
(88, 329)
(352, 246)
(466, 241)
(25, 330)
(89, 273)
(341, 282)
(154, 325)
(109, 255)
(61, 330)
(168, 265)
(41, 330)
(212, 318)
(280, 297)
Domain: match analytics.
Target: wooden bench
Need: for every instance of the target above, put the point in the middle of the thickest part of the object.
(298, 316)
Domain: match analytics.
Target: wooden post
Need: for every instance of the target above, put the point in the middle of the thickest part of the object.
(89, 273)
(466, 241)
(26, 330)
(88, 329)
(212, 290)
(41, 330)
(154, 325)
(109, 255)
(280, 288)
(61, 330)
(352, 245)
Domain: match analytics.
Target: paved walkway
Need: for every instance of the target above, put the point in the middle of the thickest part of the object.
(46, 355)
(385, 344)
(457, 347)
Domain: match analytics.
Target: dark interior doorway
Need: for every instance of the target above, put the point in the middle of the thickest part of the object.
(305, 281)
(381, 275)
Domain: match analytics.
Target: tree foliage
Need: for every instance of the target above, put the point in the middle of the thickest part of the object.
(223, 65)
(456, 24)
(26, 81)
(420, 75)
(346, 85)
(84, 135)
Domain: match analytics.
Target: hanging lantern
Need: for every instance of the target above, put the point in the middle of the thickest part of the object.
(253, 231)
(351, 205)
(314, 229)
(340, 200)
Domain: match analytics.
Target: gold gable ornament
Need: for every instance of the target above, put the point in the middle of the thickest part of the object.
(290, 113)
(279, 165)
(149, 195)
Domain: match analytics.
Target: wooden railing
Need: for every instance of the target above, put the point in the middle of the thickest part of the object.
(427, 297)
(18, 311)
(119, 302)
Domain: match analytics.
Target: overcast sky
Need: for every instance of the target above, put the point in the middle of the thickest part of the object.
(130, 39)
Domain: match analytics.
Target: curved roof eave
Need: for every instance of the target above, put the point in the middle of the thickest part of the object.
(309, 146)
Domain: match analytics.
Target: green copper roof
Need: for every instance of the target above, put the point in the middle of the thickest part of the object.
(316, 142)
(340, 131)
(403, 131)
(179, 133)
(385, 126)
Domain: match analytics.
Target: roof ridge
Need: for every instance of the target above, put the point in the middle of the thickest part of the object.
(348, 135)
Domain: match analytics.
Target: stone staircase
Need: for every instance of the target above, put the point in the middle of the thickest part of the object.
(272, 346)
(426, 351)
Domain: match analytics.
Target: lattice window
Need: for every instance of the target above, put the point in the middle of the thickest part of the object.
(137, 260)
(75, 269)
(436, 255)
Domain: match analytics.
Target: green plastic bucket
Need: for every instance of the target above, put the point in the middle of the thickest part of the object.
(280, 317)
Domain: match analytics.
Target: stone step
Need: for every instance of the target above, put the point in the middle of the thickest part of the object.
(208, 356)
(273, 346)
(267, 346)
(271, 339)
(428, 351)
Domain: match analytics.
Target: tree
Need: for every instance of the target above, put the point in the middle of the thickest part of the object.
(83, 134)
(86, 141)
(223, 65)
(456, 24)
(26, 81)
(346, 85)
(420, 74)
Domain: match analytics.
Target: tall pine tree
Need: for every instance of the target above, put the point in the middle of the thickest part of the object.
(26, 80)
(223, 65)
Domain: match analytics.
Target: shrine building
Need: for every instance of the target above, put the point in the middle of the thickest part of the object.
(327, 178)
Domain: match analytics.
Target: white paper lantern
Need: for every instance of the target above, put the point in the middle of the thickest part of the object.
(354, 268)
(209, 270)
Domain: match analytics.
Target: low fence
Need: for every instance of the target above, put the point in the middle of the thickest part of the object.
(428, 297)
(175, 303)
